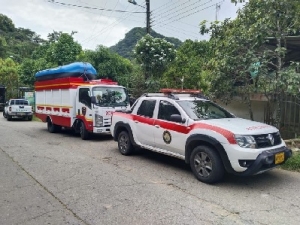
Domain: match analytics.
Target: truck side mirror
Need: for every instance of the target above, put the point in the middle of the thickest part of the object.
(177, 118)
(93, 99)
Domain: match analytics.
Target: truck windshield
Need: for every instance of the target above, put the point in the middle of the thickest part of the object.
(204, 110)
(111, 96)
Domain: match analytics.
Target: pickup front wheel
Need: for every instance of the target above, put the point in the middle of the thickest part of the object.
(124, 143)
(206, 164)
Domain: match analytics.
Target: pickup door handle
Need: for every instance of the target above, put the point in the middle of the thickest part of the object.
(136, 121)
(157, 126)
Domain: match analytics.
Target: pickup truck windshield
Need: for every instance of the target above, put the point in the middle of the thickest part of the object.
(204, 110)
(111, 96)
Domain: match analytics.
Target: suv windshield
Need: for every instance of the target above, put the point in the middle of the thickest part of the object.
(204, 110)
(111, 96)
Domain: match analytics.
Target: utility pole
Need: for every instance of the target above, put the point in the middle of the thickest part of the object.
(148, 26)
(148, 16)
(218, 6)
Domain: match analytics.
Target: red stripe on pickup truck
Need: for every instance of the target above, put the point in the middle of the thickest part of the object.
(178, 127)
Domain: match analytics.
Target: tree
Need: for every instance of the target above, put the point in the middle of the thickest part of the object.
(188, 70)
(154, 55)
(30, 67)
(64, 50)
(108, 64)
(9, 76)
(242, 43)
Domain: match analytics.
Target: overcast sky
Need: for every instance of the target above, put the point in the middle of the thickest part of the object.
(171, 18)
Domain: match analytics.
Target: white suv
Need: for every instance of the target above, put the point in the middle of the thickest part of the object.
(190, 127)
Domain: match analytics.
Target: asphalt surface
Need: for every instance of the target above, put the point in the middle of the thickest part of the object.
(60, 179)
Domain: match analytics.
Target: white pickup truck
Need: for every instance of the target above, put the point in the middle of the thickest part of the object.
(18, 108)
(209, 138)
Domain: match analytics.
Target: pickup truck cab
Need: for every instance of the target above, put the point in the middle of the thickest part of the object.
(17, 108)
(192, 128)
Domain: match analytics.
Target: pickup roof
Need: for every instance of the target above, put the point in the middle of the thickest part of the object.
(209, 138)
(17, 108)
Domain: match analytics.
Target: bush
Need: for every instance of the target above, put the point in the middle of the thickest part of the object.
(293, 163)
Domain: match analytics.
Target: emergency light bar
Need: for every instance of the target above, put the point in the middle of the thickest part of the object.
(179, 91)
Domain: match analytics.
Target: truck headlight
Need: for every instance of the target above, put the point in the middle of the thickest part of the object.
(245, 141)
(98, 120)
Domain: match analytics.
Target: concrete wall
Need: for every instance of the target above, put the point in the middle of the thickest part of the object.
(241, 110)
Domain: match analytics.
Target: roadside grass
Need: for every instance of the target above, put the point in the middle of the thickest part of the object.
(293, 163)
(34, 118)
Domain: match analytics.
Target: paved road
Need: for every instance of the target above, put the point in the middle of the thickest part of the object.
(60, 179)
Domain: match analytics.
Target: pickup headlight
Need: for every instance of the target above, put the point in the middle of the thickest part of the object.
(245, 141)
(98, 120)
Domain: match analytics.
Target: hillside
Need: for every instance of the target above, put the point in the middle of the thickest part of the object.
(125, 46)
(17, 43)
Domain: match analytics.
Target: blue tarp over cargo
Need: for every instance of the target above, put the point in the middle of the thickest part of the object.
(77, 69)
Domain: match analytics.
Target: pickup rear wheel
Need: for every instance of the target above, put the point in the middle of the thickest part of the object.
(206, 164)
(84, 134)
(124, 144)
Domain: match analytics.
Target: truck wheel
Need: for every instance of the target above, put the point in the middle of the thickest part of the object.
(51, 127)
(206, 164)
(124, 144)
(84, 134)
(4, 114)
(29, 118)
(8, 117)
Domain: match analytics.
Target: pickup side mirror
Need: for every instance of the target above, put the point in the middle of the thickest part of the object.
(93, 99)
(177, 118)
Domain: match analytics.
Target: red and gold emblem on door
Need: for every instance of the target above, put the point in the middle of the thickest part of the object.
(167, 137)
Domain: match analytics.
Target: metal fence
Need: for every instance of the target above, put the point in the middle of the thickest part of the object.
(290, 116)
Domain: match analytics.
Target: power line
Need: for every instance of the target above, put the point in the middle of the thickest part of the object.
(158, 9)
(105, 29)
(93, 8)
(186, 6)
(185, 11)
(191, 14)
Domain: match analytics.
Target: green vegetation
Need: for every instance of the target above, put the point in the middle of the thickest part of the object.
(293, 163)
(126, 46)
(237, 60)
(34, 118)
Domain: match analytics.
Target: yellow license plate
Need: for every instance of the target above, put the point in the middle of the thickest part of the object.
(279, 158)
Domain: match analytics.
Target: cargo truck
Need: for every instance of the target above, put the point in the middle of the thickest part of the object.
(71, 97)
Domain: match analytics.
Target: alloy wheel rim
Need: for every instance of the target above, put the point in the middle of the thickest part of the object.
(123, 143)
(203, 164)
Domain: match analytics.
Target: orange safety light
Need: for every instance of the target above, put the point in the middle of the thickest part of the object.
(179, 91)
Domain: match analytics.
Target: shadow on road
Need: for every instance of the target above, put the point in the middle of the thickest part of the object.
(271, 178)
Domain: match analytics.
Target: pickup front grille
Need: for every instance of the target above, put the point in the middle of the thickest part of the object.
(264, 141)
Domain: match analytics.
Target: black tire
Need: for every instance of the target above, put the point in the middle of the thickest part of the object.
(207, 165)
(4, 115)
(124, 144)
(29, 118)
(52, 128)
(84, 134)
(8, 117)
